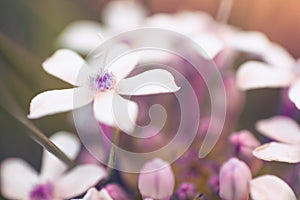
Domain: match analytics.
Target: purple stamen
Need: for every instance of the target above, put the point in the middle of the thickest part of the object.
(42, 192)
(102, 82)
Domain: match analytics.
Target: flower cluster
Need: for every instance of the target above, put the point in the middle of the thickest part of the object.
(119, 93)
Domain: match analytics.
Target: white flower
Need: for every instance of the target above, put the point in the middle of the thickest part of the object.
(269, 187)
(118, 16)
(211, 37)
(280, 71)
(102, 87)
(284, 130)
(21, 181)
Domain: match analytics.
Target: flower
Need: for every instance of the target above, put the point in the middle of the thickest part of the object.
(156, 180)
(94, 194)
(234, 180)
(186, 191)
(109, 192)
(244, 143)
(102, 87)
(21, 181)
(282, 73)
(284, 130)
(84, 36)
(269, 187)
(236, 184)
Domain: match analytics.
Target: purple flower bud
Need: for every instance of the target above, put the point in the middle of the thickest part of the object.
(156, 180)
(116, 192)
(186, 191)
(234, 180)
(244, 143)
(214, 184)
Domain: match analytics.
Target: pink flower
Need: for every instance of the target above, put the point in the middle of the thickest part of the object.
(156, 180)
(244, 143)
(234, 180)
(284, 130)
(236, 184)
(21, 181)
(186, 191)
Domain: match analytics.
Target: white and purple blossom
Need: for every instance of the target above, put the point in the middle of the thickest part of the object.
(100, 87)
(20, 181)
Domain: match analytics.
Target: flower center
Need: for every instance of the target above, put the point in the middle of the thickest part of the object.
(103, 82)
(42, 192)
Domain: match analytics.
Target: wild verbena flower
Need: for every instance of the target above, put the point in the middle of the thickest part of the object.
(21, 181)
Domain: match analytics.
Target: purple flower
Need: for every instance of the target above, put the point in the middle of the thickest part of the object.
(186, 191)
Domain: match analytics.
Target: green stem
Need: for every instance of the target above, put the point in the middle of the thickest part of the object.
(112, 154)
(8, 104)
(224, 11)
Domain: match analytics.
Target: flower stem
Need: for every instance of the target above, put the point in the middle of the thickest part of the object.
(224, 11)
(112, 154)
(8, 104)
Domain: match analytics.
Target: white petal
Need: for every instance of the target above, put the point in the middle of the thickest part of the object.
(104, 195)
(209, 45)
(294, 93)
(254, 74)
(82, 36)
(52, 167)
(280, 128)
(66, 65)
(122, 66)
(113, 110)
(278, 56)
(250, 42)
(114, 12)
(17, 178)
(57, 101)
(92, 194)
(78, 180)
(278, 152)
(154, 81)
(269, 187)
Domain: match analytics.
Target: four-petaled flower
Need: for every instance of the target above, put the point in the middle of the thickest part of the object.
(102, 87)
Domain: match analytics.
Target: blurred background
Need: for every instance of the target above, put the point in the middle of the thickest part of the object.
(28, 29)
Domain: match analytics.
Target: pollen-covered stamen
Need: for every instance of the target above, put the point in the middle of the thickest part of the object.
(103, 82)
(42, 192)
